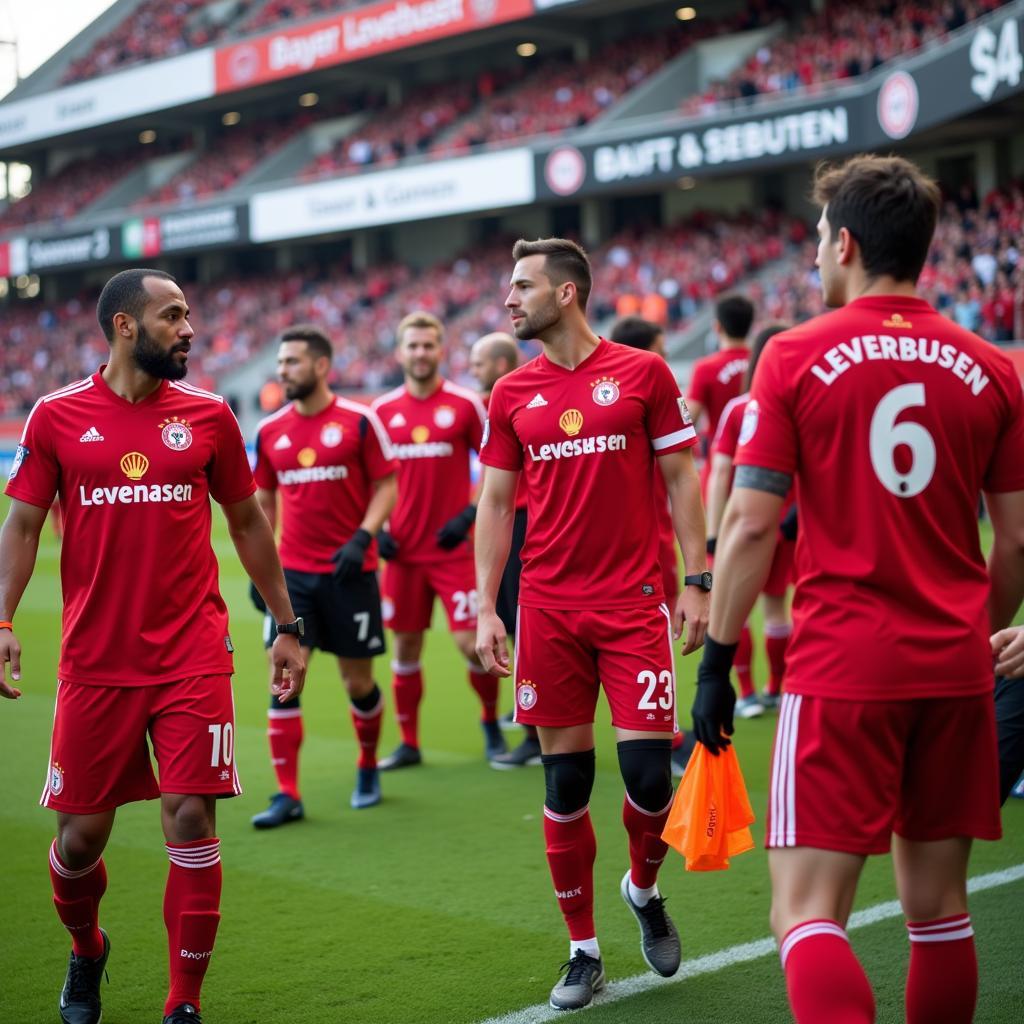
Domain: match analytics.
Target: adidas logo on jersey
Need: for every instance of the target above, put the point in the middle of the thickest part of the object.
(536, 402)
(284, 441)
(398, 420)
(92, 434)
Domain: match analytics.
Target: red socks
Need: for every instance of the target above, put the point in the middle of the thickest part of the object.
(742, 663)
(646, 848)
(942, 983)
(191, 914)
(407, 685)
(824, 978)
(284, 730)
(77, 895)
(571, 850)
(486, 687)
(776, 641)
(367, 725)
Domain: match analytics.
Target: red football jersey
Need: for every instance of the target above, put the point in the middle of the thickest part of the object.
(716, 380)
(324, 467)
(432, 439)
(520, 502)
(138, 573)
(892, 419)
(585, 441)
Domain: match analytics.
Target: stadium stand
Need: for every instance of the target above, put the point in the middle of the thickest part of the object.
(275, 11)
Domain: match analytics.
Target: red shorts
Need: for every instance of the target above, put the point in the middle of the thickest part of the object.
(99, 758)
(562, 657)
(847, 774)
(780, 576)
(409, 590)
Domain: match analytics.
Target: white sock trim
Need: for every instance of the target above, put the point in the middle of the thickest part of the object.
(63, 870)
(284, 713)
(650, 814)
(807, 931)
(194, 856)
(953, 930)
(405, 668)
(575, 816)
(589, 946)
(374, 712)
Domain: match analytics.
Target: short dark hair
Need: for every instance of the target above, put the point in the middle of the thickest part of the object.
(564, 260)
(636, 332)
(318, 342)
(125, 293)
(760, 340)
(735, 313)
(888, 204)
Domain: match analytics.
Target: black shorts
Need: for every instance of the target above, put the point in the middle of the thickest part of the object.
(1010, 729)
(508, 591)
(340, 617)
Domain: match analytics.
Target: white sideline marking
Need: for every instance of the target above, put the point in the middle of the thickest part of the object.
(616, 991)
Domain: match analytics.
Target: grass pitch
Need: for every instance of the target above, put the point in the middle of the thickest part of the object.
(434, 907)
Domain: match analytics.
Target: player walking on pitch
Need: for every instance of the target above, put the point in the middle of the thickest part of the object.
(330, 461)
(585, 426)
(891, 419)
(135, 455)
(433, 425)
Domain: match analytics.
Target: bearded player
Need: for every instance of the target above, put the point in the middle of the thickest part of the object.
(135, 455)
(890, 419)
(327, 464)
(434, 425)
(584, 427)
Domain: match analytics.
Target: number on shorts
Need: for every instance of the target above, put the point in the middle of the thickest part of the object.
(465, 605)
(223, 747)
(886, 434)
(362, 620)
(651, 680)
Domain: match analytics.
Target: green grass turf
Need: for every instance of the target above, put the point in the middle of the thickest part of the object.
(435, 906)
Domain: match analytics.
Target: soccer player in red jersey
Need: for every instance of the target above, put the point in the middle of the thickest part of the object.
(777, 627)
(490, 358)
(135, 455)
(584, 427)
(328, 463)
(433, 425)
(891, 419)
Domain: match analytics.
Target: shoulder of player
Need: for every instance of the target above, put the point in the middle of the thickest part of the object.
(734, 407)
(471, 398)
(394, 395)
(198, 393)
(69, 394)
(275, 419)
(361, 411)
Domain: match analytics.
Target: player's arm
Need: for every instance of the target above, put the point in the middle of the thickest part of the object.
(19, 542)
(718, 495)
(254, 541)
(494, 519)
(683, 486)
(267, 500)
(1006, 571)
(351, 556)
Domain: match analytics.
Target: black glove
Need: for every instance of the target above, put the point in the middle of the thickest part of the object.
(257, 598)
(348, 559)
(788, 526)
(453, 533)
(712, 541)
(387, 546)
(715, 700)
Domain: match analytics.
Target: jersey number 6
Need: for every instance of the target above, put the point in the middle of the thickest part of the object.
(887, 435)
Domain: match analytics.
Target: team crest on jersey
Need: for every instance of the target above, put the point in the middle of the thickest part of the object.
(307, 457)
(684, 411)
(56, 779)
(749, 425)
(20, 454)
(526, 694)
(571, 421)
(444, 417)
(176, 433)
(606, 391)
(330, 436)
(420, 434)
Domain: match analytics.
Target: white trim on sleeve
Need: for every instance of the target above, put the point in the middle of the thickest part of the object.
(677, 437)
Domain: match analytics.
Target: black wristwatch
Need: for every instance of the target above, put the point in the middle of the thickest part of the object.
(700, 579)
(298, 627)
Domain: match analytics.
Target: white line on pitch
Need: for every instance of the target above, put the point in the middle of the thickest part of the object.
(616, 991)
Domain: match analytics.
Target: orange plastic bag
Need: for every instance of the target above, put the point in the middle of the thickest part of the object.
(711, 815)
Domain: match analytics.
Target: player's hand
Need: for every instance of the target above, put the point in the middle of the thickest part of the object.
(789, 526)
(257, 598)
(348, 559)
(492, 644)
(453, 533)
(713, 706)
(692, 610)
(10, 652)
(289, 668)
(387, 546)
(1007, 650)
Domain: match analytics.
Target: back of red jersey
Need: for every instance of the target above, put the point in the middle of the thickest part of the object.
(432, 438)
(716, 380)
(893, 419)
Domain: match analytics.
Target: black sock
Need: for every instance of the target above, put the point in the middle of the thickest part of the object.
(367, 703)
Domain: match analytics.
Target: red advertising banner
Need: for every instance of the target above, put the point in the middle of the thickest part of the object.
(363, 32)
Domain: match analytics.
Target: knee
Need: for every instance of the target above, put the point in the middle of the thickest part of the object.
(78, 845)
(408, 647)
(191, 818)
(646, 767)
(568, 781)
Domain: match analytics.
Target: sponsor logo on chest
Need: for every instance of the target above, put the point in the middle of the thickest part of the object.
(135, 466)
(571, 422)
(309, 472)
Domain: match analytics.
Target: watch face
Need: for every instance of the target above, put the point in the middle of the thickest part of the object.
(705, 580)
(300, 625)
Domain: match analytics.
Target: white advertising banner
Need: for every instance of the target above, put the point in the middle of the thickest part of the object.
(489, 181)
(151, 87)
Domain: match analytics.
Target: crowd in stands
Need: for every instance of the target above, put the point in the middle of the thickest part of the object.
(841, 41)
(275, 11)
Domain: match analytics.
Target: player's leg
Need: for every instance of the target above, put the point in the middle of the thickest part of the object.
(366, 704)
(777, 626)
(486, 687)
(747, 705)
